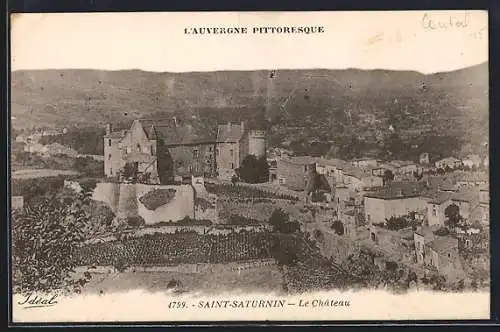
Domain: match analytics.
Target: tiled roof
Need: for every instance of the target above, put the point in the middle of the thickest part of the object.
(398, 190)
(232, 133)
(439, 198)
(355, 172)
(139, 157)
(443, 243)
(339, 163)
(470, 196)
(173, 133)
(302, 160)
(116, 134)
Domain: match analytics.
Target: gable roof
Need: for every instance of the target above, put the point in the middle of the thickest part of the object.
(469, 196)
(439, 198)
(116, 134)
(230, 133)
(398, 190)
(442, 244)
(174, 134)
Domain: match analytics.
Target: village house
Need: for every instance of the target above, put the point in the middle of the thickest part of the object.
(424, 158)
(359, 180)
(397, 199)
(405, 168)
(394, 246)
(439, 254)
(421, 237)
(17, 203)
(364, 162)
(349, 223)
(21, 138)
(332, 168)
(34, 148)
(471, 179)
(472, 161)
(53, 132)
(468, 203)
(436, 207)
(450, 162)
(56, 148)
(273, 170)
(292, 172)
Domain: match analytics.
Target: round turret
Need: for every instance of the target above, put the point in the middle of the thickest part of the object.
(257, 143)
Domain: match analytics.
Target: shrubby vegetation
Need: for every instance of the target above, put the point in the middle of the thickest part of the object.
(280, 221)
(156, 198)
(87, 140)
(242, 191)
(89, 166)
(45, 235)
(36, 187)
(254, 170)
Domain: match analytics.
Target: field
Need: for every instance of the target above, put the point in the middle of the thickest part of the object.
(302, 267)
(265, 280)
(41, 173)
(177, 248)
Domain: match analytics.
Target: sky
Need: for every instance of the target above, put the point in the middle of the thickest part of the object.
(416, 40)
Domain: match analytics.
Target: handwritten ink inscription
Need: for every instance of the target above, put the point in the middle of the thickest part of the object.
(33, 301)
(432, 22)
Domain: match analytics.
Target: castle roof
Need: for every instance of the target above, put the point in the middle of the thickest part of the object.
(230, 133)
(173, 133)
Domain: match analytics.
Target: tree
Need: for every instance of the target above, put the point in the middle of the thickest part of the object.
(254, 170)
(418, 175)
(387, 177)
(130, 171)
(452, 213)
(279, 219)
(338, 227)
(44, 238)
(397, 223)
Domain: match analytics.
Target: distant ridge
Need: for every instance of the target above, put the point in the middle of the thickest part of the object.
(454, 103)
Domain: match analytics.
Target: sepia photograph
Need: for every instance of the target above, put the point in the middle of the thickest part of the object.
(249, 166)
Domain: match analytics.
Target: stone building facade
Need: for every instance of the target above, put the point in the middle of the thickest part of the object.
(168, 151)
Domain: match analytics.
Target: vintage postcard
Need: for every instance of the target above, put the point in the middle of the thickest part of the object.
(237, 166)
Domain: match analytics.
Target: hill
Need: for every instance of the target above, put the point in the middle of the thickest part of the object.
(299, 106)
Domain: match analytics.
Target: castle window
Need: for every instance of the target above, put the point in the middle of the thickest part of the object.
(109, 142)
(231, 152)
(232, 165)
(152, 151)
(109, 156)
(138, 148)
(218, 152)
(195, 153)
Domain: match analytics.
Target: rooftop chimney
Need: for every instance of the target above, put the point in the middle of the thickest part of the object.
(108, 129)
(229, 126)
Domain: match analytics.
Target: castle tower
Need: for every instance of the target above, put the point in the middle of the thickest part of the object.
(257, 143)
